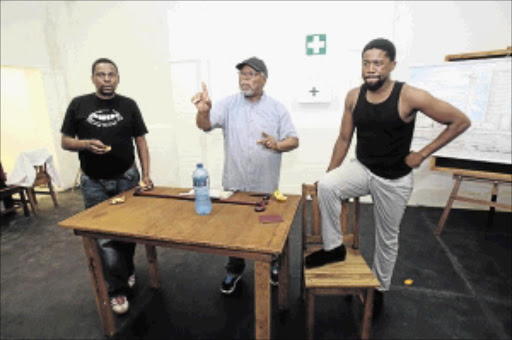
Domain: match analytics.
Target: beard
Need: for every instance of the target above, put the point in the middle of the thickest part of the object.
(375, 86)
(107, 93)
(247, 93)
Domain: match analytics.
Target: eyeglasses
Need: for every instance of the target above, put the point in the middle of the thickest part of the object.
(251, 74)
(103, 75)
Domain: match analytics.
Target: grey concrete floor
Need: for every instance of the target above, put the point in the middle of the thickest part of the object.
(461, 289)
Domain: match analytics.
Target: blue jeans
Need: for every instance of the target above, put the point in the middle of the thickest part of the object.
(116, 256)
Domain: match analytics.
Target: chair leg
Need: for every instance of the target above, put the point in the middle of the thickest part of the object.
(24, 202)
(33, 190)
(367, 316)
(310, 312)
(32, 200)
(52, 193)
(302, 284)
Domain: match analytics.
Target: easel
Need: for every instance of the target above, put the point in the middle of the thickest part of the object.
(459, 175)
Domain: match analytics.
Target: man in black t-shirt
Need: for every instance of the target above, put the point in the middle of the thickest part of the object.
(383, 113)
(101, 127)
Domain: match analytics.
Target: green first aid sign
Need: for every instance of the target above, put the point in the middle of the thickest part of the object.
(316, 44)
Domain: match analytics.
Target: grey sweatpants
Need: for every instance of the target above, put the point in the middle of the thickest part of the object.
(389, 196)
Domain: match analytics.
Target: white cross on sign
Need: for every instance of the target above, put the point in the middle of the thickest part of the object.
(316, 44)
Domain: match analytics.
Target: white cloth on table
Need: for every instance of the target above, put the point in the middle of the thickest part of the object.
(24, 173)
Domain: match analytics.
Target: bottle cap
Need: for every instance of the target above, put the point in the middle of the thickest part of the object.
(199, 165)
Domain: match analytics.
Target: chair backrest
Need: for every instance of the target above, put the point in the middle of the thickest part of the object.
(311, 222)
(42, 176)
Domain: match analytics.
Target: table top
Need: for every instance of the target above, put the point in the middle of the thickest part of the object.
(229, 226)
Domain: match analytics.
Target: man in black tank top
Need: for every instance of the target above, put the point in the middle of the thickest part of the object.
(382, 112)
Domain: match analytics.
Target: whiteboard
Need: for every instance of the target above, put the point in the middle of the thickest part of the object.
(482, 90)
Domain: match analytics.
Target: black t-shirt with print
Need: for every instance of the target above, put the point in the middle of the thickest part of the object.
(115, 122)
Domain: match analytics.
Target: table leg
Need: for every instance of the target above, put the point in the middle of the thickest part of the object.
(444, 216)
(99, 286)
(284, 270)
(154, 276)
(262, 299)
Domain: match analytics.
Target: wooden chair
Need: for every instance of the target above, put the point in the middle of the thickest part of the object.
(350, 277)
(42, 180)
(18, 203)
(7, 192)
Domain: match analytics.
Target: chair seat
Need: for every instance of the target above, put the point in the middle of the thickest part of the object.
(353, 272)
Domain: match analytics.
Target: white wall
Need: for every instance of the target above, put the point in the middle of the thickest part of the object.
(424, 32)
(62, 39)
(163, 50)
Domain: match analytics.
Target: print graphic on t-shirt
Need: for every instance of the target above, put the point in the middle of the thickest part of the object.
(104, 118)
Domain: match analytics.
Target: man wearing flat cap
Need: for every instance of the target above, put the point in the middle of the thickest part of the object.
(257, 130)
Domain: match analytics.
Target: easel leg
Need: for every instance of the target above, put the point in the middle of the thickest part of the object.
(490, 216)
(444, 216)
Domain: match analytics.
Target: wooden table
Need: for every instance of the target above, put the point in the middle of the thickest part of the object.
(230, 230)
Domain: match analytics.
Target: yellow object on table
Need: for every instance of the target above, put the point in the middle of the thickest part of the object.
(279, 196)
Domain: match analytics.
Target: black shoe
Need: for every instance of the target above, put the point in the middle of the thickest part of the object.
(228, 285)
(321, 257)
(274, 276)
(378, 302)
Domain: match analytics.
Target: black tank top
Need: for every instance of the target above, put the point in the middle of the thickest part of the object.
(383, 138)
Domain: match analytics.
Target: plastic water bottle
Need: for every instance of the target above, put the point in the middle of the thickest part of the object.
(202, 201)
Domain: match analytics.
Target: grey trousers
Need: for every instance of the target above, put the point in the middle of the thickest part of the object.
(390, 197)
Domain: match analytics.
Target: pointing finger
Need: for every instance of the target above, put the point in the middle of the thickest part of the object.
(205, 91)
(265, 135)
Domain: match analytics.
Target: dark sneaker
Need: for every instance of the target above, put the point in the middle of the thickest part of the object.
(378, 302)
(274, 276)
(322, 257)
(229, 283)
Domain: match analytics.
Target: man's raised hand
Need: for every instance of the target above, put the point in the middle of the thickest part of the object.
(202, 99)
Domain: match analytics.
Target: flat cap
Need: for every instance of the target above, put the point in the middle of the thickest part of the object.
(255, 63)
